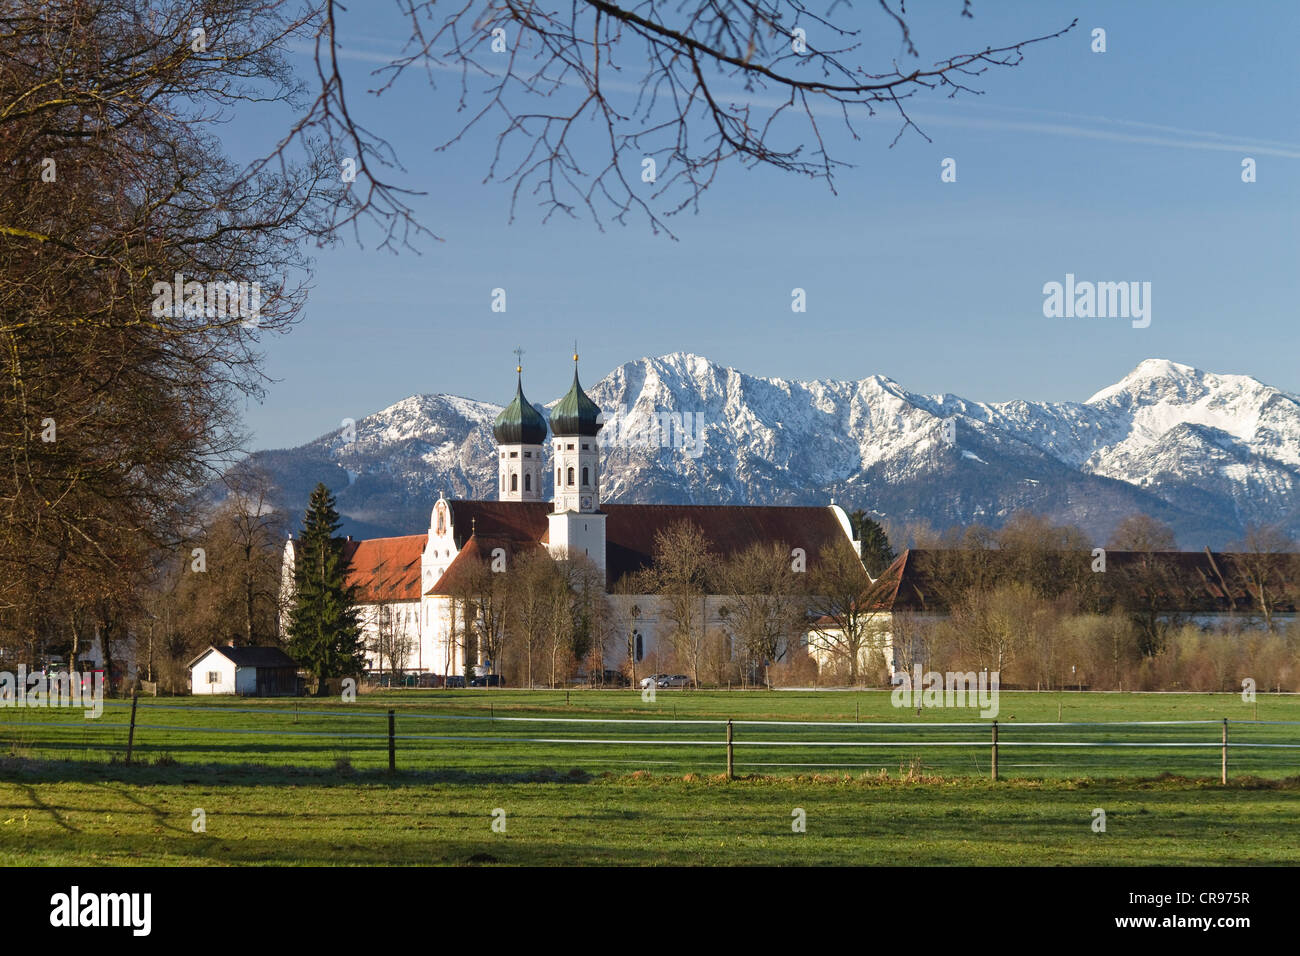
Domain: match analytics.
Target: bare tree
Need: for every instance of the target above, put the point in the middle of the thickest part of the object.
(766, 605)
(681, 574)
(1141, 532)
(1143, 585)
(1268, 566)
(533, 585)
(393, 641)
(118, 402)
(843, 607)
(491, 598)
(688, 87)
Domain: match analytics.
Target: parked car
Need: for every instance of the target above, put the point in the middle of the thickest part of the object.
(615, 679)
(455, 680)
(674, 680)
(488, 680)
(430, 680)
(651, 681)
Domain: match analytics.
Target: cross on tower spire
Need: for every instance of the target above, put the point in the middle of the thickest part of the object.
(519, 360)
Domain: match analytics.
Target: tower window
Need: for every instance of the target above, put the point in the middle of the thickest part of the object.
(570, 448)
(528, 454)
(557, 476)
(640, 647)
(585, 446)
(570, 476)
(528, 482)
(585, 480)
(514, 454)
(514, 482)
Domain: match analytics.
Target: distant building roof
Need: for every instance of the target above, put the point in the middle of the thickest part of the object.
(386, 569)
(925, 579)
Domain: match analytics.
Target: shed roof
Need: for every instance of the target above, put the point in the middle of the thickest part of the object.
(250, 656)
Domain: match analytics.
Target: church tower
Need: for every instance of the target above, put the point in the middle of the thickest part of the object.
(577, 525)
(520, 432)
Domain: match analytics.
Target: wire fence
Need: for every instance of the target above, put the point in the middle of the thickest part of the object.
(360, 737)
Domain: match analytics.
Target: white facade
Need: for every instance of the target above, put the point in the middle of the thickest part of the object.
(573, 533)
(519, 472)
(577, 473)
(214, 673)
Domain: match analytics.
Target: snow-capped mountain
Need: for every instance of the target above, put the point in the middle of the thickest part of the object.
(1207, 453)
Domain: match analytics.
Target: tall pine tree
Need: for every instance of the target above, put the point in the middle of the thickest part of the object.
(877, 553)
(324, 625)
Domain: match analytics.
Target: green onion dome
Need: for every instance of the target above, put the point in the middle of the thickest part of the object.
(520, 423)
(576, 414)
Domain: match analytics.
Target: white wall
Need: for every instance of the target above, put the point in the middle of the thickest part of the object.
(213, 661)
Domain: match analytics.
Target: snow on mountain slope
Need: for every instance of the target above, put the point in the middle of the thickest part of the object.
(1208, 453)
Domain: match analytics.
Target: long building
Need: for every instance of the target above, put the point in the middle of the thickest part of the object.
(409, 585)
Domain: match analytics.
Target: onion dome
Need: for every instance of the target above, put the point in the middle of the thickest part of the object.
(576, 414)
(520, 423)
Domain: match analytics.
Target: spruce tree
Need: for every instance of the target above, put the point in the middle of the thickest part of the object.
(877, 553)
(324, 626)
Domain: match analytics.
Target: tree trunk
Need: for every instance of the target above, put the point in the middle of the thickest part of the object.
(76, 644)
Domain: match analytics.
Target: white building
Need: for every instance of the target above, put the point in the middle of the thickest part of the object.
(408, 584)
(247, 671)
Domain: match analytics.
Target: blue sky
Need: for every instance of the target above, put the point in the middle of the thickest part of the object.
(1118, 166)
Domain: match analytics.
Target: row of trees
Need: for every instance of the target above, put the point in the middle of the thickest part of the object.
(719, 618)
(1035, 601)
(114, 412)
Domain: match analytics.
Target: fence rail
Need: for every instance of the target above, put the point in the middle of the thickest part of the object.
(476, 741)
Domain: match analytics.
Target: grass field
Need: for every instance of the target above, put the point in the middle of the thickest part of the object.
(304, 781)
(496, 731)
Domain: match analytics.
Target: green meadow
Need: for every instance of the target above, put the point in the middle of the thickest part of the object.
(605, 777)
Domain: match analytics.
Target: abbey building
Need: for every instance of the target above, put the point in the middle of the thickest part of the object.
(412, 587)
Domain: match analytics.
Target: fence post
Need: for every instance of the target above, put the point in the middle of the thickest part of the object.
(1223, 777)
(731, 773)
(995, 750)
(130, 734)
(392, 745)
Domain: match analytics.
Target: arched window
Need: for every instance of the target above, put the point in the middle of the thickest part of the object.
(640, 648)
(585, 480)
(571, 476)
(528, 482)
(557, 477)
(514, 482)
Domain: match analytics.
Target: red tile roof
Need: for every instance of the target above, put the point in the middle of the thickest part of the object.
(630, 530)
(386, 569)
(478, 548)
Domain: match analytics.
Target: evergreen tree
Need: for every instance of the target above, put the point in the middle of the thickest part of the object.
(324, 627)
(877, 553)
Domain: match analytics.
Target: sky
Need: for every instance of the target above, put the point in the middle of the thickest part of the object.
(1117, 166)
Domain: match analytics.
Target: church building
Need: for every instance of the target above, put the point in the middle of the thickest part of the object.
(408, 585)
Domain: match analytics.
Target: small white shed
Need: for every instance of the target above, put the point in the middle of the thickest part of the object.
(248, 671)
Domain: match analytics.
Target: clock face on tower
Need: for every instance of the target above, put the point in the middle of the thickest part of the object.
(586, 501)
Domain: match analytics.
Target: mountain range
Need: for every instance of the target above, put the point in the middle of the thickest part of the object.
(1208, 454)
